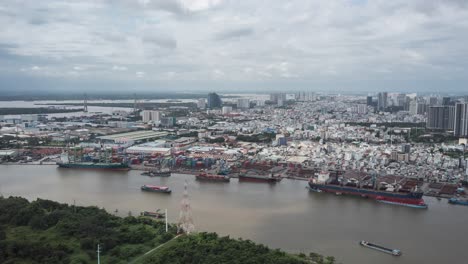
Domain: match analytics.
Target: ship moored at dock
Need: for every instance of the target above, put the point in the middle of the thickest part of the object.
(255, 176)
(212, 177)
(369, 187)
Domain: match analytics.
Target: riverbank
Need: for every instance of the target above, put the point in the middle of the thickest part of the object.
(37, 110)
(50, 232)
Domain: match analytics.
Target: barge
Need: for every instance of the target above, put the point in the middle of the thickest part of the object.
(155, 188)
(394, 252)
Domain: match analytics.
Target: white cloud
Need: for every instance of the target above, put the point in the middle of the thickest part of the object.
(236, 41)
(119, 68)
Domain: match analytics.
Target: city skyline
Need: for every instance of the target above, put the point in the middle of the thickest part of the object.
(339, 46)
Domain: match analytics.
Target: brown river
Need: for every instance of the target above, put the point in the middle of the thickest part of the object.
(285, 215)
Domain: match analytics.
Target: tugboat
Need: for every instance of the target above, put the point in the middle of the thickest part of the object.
(212, 177)
(155, 188)
(458, 201)
(394, 252)
(157, 173)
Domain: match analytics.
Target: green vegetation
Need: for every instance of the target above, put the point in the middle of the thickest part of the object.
(430, 136)
(209, 248)
(39, 110)
(264, 137)
(45, 231)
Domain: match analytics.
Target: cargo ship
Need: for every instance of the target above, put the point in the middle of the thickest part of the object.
(385, 194)
(155, 188)
(94, 166)
(257, 177)
(157, 173)
(212, 177)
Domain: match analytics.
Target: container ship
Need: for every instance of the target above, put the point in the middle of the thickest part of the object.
(77, 160)
(212, 177)
(155, 188)
(406, 194)
(259, 177)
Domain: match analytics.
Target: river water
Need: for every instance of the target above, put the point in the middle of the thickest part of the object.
(283, 216)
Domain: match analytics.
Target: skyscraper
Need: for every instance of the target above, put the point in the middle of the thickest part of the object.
(369, 100)
(243, 103)
(461, 120)
(214, 101)
(440, 117)
(382, 101)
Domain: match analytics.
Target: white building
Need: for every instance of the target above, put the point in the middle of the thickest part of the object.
(151, 116)
(227, 110)
(260, 103)
(362, 109)
(201, 103)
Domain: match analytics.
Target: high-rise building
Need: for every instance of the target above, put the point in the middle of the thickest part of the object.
(260, 103)
(461, 120)
(432, 100)
(401, 100)
(369, 100)
(361, 109)
(275, 97)
(151, 116)
(201, 103)
(445, 100)
(168, 121)
(214, 101)
(417, 108)
(382, 101)
(243, 103)
(440, 117)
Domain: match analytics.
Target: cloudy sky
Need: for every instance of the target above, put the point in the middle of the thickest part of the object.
(161, 45)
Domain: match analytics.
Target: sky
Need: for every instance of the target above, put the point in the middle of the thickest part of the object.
(232, 45)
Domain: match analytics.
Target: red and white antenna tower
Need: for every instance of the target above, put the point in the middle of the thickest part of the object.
(185, 224)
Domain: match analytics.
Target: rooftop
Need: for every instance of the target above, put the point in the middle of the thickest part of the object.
(135, 136)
